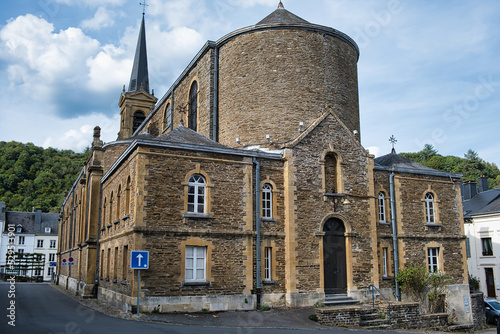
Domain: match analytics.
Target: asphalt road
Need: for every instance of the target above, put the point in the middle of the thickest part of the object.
(40, 308)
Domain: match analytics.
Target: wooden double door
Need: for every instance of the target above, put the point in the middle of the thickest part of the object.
(334, 257)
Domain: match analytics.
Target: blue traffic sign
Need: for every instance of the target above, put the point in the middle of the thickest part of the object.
(139, 260)
(52, 264)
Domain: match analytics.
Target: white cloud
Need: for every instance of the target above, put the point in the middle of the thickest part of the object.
(40, 60)
(102, 19)
(90, 3)
(109, 69)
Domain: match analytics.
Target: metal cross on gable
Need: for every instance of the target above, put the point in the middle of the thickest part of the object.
(393, 141)
(143, 4)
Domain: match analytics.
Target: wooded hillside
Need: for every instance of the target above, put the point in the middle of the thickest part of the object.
(471, 165)
(31, 176)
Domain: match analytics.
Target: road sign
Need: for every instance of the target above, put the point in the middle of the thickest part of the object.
(52, 264)
(139, 259)
(64, 262)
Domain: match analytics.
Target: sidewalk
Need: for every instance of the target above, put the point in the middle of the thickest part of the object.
(281, 318)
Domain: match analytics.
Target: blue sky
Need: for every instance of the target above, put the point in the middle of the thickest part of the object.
(429, 70)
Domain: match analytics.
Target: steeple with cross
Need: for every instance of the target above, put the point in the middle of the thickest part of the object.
(393, 141)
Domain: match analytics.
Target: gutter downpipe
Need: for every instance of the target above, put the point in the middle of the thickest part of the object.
(394, 235)
(71, 239)
(257, 228)
(216, 95)
(95, 290)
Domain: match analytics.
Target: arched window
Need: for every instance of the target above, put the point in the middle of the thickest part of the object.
(110, 219)
(381, 207)
(168, 116)
(267, 201)
(104, 212)
(196, 194)
(429, 209)
(127, 197)
(193, 107)
(118, 202)
(138, 119)
(331, 173)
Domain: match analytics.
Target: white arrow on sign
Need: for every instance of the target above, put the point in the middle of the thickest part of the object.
(139, 257)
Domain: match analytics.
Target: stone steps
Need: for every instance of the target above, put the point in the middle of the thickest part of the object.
(339, 299)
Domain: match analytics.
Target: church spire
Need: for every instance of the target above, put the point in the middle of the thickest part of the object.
(139, 79)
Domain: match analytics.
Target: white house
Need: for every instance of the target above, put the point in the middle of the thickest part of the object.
(29, 232)
(482, 229)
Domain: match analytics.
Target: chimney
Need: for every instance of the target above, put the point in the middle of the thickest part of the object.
(38, 217)
(483, 183)
(469, 190)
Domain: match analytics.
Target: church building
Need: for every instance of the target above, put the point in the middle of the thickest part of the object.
(248, 185)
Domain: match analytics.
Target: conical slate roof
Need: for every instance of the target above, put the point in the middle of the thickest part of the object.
(281, 15)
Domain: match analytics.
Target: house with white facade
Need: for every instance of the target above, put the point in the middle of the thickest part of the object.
(29, 232)
(482, 229)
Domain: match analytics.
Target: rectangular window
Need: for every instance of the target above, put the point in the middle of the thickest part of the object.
(115, 264)
(268, 253)
(39, 244)
(50, 271)
(487, 246)
(101, 262)
(38, 272)
(20, 251)
(52, 244)
(125, 263)
(433, 259)
(196, 259)
(108, 262)
(52, 257)
(21, 240)
(385, 272)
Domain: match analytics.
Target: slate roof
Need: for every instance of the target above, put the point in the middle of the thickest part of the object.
(394, 161)
(281, 15)
(482, 203)
(182, 135)
(27, 221)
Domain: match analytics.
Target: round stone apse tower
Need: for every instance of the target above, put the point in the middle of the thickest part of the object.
(280, 75)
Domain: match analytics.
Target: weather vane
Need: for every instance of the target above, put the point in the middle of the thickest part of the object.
(393, 141)
(143, 4)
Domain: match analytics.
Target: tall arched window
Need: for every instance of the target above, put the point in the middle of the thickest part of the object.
(127, 197)
(331, 173)
(118, 202)
(104, 212)
(196, 194)
(110, 219)
(429, 209)
(139, 117)
(267, 201)
(168, 116)
(193, 107)
(381, 207)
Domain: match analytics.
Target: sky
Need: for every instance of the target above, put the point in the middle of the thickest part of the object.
(428, 72)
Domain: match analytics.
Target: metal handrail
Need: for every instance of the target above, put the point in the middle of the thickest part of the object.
(372, 288)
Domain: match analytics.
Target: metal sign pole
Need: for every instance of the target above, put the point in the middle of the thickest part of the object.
(138, 288)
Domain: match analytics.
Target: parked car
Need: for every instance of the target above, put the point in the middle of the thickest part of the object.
(492, 310)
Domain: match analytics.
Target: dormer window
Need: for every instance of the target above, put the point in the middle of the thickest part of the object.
(19, 228)
(48, 230)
